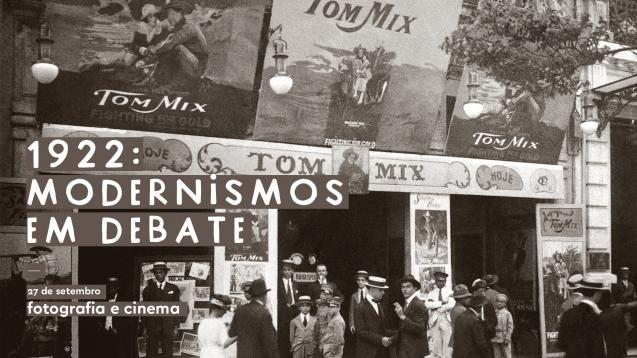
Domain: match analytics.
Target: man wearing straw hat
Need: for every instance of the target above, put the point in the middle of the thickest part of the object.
(581, 329)
(303, 338)
(252, 326)
(373, 339)
(160, 330)
(358, 296)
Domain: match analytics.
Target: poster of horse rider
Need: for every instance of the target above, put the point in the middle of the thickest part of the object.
(353, 163)
(515, 124)
(363, 71)
(178, 66)
(431, 237)
(255, 245)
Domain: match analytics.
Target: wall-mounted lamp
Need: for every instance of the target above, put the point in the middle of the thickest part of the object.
(281, 82)
(472, 107)
(43, 69)
(589, 123)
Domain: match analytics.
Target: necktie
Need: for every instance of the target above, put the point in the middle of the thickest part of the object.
(362, 296)
(440, 294)
(161, 285)
(304, 321)
(288, 294)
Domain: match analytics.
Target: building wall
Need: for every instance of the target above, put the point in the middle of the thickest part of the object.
(6, 80)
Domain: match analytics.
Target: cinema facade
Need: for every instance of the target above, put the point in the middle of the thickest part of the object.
(520, 195)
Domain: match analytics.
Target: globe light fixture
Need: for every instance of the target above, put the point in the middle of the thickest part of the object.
(472, 107)
(589, 123)
(43, 69)
(281, 82)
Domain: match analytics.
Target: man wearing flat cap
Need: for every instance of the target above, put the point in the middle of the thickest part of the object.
(440, 302)
(252, 326)
(412, 340)
(160, 330)
(184, 54)
(287, 296)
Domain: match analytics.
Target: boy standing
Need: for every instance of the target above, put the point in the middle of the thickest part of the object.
(334, 339)
(503, 330)
(303, 330)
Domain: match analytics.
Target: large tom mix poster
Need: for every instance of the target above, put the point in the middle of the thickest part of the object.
(364, 72)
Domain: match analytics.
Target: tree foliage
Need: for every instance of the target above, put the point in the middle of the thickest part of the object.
(520, 46)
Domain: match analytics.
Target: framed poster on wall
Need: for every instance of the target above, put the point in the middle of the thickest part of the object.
(561, 248)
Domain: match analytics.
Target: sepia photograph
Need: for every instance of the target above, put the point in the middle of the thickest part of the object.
(353, 163)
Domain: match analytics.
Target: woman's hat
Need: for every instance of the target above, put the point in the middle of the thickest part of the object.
(304, 300)
(411, 279)
(220, 301)
(491, 279)
(147, 10)
(179, 5)
(258, 288)
(361, 273)
(350, 151)
(377, 282)
(461, 291)
(160, 266)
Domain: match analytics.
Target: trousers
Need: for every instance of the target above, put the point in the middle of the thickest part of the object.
(441, 335)
(501, 351)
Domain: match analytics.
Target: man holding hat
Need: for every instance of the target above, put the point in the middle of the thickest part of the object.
(440, 302)
(287, 295)
(358, 296)
(252, 326)
(303, 330)
(624, 290)
(469, 339)
(412, 340)
(160, 330)
(372, 337)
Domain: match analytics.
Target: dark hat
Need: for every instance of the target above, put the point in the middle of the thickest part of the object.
(478, 301)
(160, 266)
(180, 5)
(246, 285)
(304, 299)
(411, 279)
(377, 282)
(461, 291)
(350, 151)
(491, 279)
(312, 254)
(287, 263)
(258, 288)
(438, 275)
(336, 301)
(41, 248)
(361, 273)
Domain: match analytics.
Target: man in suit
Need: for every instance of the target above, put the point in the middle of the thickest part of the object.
(314, 288)
(287, 297)
(461, 295)
(372, 338)
(624, 290)
(357, 297)
(113, 332)
(412, 340)
(160, 330)
(469, 338)
(252, 326)
(303, 337)
(440, 302)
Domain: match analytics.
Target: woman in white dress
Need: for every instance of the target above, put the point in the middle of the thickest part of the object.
(212, 331)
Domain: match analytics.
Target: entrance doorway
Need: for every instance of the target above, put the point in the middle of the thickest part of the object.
(367, 236)
(491, 235)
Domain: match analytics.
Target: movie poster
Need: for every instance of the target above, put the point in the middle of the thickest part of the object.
(430, 227)
(515, 125)
(255, 245)
(352, 162)
(184, 66)
(558, 258)
(366, 73)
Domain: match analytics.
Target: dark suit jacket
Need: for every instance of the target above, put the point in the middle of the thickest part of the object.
(370, 330)
(623, 293)
(469, 338)
(285, 314)
(252, 324)
(296, 290)
(160, 325)
(412, 341)
(580, 333)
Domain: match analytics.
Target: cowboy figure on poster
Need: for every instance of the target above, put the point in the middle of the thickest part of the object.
(367, 74)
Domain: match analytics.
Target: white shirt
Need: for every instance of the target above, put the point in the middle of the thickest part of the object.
(305, 317)
(161, 284)
(408, 300)
(108, 324)
(374, 304)
(625, 282)
(287, 285)
(322, 280)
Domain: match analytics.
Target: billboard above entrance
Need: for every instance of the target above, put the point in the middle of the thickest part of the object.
(363, 70)
(392, 172)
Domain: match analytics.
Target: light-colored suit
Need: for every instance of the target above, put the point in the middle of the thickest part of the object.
(303, 339)
(440, 320)
(334, 339)
(355, 300)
